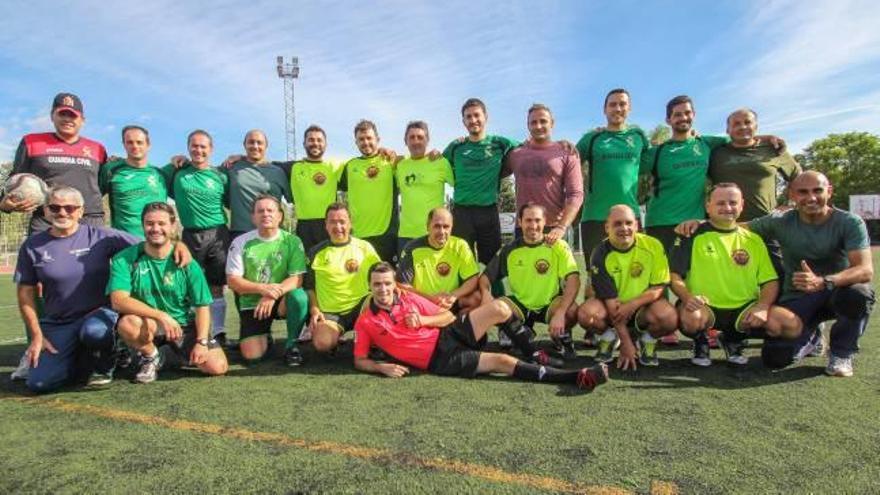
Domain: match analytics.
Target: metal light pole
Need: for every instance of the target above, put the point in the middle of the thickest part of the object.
(288, 71)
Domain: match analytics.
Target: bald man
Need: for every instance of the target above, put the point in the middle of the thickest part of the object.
(828, 271)
(628, 273)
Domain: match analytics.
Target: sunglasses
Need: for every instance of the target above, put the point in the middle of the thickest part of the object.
(67, 208)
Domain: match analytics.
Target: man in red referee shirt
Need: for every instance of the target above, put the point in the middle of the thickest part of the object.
(415, 331)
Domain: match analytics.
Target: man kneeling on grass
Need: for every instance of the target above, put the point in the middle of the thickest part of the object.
(265, 268)
(417, 332)
(155, 298)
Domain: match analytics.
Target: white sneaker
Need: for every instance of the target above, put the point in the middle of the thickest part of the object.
(839, 366)
(21, 372)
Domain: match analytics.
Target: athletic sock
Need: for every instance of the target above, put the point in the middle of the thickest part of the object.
(608, 335)
(647, 338)
(538, 373)
(218, 316)
(497, 288)
(519, 335)
(297, 302)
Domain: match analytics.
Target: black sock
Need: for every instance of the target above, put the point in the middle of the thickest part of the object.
(538, 373)
(519, 335)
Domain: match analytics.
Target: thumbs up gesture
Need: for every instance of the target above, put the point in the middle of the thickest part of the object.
(805, 280)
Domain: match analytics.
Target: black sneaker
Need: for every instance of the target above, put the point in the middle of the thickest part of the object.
(733, 349)
(293, 357)
(545, 359)
(590, 378)
(221, 339)
(701, 351)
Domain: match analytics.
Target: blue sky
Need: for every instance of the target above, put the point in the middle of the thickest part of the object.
(809, 68)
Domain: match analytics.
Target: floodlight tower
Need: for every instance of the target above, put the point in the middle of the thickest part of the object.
(288, 71)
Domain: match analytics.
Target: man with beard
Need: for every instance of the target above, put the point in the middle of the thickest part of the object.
(420, 334)
(70, 262)
(156, 300)
(314, 183)
(441, 266)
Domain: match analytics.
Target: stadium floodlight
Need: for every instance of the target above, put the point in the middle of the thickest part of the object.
(288, 72)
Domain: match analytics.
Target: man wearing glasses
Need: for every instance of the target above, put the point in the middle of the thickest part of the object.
(70, 262)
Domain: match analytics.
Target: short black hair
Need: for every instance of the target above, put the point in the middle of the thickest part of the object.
(158, 206)
(678, 100)
(473, 102)
(133, 127)
(523, 208)
(381, 267)
(615, 91)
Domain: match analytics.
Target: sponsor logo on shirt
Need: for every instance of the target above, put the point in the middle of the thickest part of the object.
(87, 152)
(46, 257)
(740, 257)
(80, 252)
(443, 268)
(636, 269)
(69, 160)
(542, 266)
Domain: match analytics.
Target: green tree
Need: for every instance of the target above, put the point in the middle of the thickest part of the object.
(507, 196)
(851, 161)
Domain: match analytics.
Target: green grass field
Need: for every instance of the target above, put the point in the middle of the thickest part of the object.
(326, 428)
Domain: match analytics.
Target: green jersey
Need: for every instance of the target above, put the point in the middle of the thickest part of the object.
(129, 190)
(477, 168)
(824, 247)
(422, 186)
(159, 283)
(625, 275)
(338, 273)
(613, 161)
(313, 185)
(246, 182)
(199, 195)
(679, 170)
(432, 271)
(728, 267)
(755, 170)
(370, 185)
(536, 272)
(265, 261)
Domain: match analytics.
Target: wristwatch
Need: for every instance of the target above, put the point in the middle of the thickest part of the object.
(829, 284)
(203, 342)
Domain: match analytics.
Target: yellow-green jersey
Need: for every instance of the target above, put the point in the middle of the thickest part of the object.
(627, 274)
(338, 273)
(728, 267)
(314, 186)
(422, 185)
(536, 272)
(370, 185)
(432, 271)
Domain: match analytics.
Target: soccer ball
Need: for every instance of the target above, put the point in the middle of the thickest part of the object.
(26, 186)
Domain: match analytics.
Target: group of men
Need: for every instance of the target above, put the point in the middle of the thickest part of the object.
(407, 279)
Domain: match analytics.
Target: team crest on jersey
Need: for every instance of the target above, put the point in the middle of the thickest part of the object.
(740, 257)
(372, 171)
(87, 152)
(319, 178)
(696, 149)
(636, 269)
(152, 181)
(630, 141)
(168, 279)
(209, 183)
(443, 268)
(352, 265)
(409, 179)
(542, 266)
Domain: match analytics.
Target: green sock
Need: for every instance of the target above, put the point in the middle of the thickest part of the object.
(297, 312)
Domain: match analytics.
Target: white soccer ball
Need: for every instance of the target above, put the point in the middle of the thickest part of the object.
(26, 186)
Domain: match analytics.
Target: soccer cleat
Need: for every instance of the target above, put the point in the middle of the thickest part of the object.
(821, 343)
(590, 378)
(221, 340)
(545, 359)
(293, 357)
(839, 366)
(605, 349)
(22, 370)
(149, 369)
(733, 350)
(98, 379)
(701, 351)
(504, 341)
(713, 338)
(810, 347)
(648, 353)
(565, 347)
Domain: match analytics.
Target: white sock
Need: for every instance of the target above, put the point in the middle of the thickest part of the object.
(608, 335)
(218, 316)
(647, 338)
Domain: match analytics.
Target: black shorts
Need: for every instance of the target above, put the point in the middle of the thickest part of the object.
(480, 225)
(385, 245)
(252, 327)
(665, 234)
(345, 321)
(728, 320)
(592, 234)
(530, 317)
(209, 248)
(457, 352)
(184, 346)
(312, 232)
